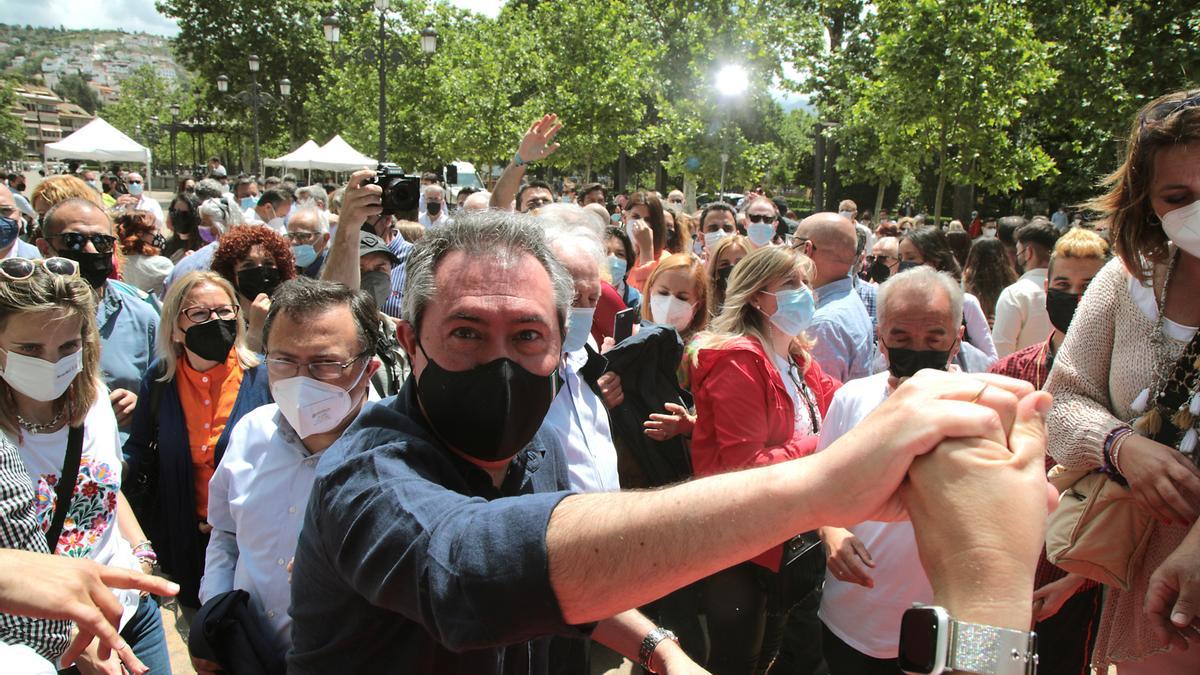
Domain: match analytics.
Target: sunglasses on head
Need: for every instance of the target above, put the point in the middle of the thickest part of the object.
(77, 241)
(1165, 109)
(18, 269)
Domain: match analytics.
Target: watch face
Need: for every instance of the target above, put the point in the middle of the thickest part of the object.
(918, 640)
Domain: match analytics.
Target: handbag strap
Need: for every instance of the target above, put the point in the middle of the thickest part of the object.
(65, 489)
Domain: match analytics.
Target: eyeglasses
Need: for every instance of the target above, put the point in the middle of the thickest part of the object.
(197, 314)
(76, 241)
(674, 201)
(536, 203)
(760, 218)
(134, 182)
(301, 237)
(882, 258)
(320, 370)
(17, 269)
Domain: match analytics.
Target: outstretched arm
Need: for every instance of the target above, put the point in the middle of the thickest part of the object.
(537, 144)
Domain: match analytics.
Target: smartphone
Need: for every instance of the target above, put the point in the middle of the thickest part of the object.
(623, 324)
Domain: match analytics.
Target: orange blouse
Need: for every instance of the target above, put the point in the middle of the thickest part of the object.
(207, 399)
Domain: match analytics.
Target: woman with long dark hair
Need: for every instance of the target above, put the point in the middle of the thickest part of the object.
(183, 219)
(987, 273)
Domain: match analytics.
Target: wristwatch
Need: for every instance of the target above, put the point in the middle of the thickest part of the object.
(650, 643)
(932, 642)
(517, 160)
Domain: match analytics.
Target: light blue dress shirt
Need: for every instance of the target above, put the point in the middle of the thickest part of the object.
(841, 327)
(128, 325)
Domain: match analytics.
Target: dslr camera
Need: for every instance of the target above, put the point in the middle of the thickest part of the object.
(401, 193)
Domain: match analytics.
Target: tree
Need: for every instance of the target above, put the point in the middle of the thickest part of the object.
(144, 95)
(75, 88)
(12, 131)
(958, 96)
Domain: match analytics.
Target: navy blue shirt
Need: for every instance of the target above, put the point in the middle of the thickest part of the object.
(411, 561)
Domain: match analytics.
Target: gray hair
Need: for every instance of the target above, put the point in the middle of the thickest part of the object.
(493, 234)
(441, 191)
(579, 237)
(208, 188)
(920, 281)
(314, 213)
(314, 192)
(222, 213)
(335, 202)
(572, 215)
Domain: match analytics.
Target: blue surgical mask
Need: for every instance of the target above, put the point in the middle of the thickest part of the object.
(761, 234)
(617, 268)
(248, 202)
(578, 328)
(305, 254)
(135, 189)
(794, 310)
(9, 229)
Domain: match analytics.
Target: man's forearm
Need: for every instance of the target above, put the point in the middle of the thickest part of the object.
(342, 263)
(610, 552)
(506, 186)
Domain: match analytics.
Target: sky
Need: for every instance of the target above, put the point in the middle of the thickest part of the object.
(130, 15)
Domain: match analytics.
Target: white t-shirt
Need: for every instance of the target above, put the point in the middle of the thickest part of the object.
(868, 619)
(90, 530)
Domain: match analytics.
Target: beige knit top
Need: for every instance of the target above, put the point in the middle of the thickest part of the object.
(1105, 362)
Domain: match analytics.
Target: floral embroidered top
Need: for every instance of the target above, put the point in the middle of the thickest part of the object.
(90, 529)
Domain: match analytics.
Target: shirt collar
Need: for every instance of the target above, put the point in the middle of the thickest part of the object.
(834, 289)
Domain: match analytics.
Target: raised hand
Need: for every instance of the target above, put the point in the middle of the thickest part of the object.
(538, 142)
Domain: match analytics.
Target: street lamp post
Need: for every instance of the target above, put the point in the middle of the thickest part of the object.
(724, 160)
(174, 129)
(381, 55)
(731, 83)
(256, 97)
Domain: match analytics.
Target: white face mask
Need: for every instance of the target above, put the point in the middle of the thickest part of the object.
(711, 239)
(989, 232)
(1182, 227)
(277, 224)
(669, 310)
(312, 406)
(39, 379)
(578, 328)
(760, 234)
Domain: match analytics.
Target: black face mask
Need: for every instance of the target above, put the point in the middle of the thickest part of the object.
(95, 268)
(907, 265)
(433, 208)
(1060, 305)
(184, 222)
(488, 412)
(879, 272)
(257, 280)
(378, 284)
(212, 340)
(159, 241)
(906, 362)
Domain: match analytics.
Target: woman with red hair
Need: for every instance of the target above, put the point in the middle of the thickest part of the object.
(255, 260)
(142, 244)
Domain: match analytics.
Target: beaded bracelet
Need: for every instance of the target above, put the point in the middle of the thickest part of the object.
(1112, 447)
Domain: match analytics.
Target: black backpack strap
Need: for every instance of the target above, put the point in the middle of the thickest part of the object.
(65, 490)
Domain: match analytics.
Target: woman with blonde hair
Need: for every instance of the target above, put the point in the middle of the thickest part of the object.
(1126, 385)
(203, 381)
(760, 399)
(53, 403)
(676, 295)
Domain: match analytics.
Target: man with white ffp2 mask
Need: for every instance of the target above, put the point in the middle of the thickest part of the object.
(319, 339)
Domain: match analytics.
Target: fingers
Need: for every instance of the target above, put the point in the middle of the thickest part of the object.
(131, 661)
(860, 550)
(676, 409)
(359, 177)
(1027, 439)
(1160, 603)
(959, 419)
(132, 580)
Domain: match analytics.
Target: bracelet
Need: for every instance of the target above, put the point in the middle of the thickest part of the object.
(1116, 452)
(1112, 447)
(143, 546)
(517, 161)
(650, 643)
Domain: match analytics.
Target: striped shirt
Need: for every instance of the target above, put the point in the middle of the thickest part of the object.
(400, 248)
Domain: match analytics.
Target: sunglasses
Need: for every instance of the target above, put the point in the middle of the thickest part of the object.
(760, 218)
(19, 269)
(1165, 109)
(77, 241)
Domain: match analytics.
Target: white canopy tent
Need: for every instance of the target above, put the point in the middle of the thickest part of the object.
(300, 158)
(100, 141)
(338, 155)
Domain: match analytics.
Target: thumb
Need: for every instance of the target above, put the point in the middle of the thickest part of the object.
(676, 409)
(1027, 440)
(1185, 607)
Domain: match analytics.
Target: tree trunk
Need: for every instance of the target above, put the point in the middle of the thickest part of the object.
(879, 200)
(964, 201)
(941, 188)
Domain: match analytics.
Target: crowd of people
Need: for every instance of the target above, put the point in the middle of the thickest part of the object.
(520, 431)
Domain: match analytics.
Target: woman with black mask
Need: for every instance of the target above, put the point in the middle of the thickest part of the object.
(202, 382)
(183, 217)
(255, 260)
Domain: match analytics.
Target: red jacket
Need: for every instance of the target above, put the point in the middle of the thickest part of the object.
(744, 416)
(606, 311)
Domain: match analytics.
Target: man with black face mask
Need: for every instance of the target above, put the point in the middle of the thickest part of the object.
(441, 535)
(80, 230)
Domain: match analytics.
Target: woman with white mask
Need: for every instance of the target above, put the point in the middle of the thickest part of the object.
(56, 407)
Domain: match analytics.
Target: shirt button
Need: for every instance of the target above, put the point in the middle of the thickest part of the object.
(204, 379)
(291, 509)
(203, 448)
(208, 403)
(271, 614)
(206, 425)
(281, 562)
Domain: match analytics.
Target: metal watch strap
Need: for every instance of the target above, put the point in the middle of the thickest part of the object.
(650, 643)
(976, 648)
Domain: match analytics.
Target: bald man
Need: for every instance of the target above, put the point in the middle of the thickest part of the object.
(845, 341)
(127, 319)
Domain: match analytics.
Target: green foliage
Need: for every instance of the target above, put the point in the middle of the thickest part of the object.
(74, 88)
(12, 131)
(144, 95)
